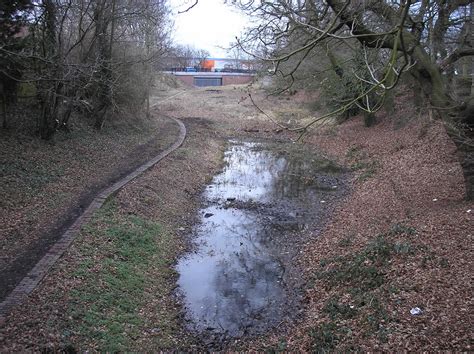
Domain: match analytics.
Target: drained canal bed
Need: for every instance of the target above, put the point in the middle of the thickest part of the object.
(258, 212)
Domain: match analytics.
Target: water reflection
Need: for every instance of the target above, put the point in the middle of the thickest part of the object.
(233, 281)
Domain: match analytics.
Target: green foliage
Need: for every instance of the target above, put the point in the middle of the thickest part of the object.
(398, 229)
(368, 169)
(353, 152)
(360, 275)
(362, 268)
(337, 91)
(325, 337)
(369, 119)
(281, 347)
(337, 309)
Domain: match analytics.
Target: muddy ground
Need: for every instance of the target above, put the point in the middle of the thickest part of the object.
(400, 239)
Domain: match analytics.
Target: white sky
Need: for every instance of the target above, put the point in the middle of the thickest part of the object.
(208, 25)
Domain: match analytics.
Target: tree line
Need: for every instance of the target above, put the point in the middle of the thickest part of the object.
(90, 56)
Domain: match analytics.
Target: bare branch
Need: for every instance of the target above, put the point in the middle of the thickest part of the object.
(189, 8)
(455, 56)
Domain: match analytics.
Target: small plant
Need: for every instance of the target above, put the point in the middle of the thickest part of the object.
(403, 248)
(345, 242)
(324, 337)
(398, 229)
(353, 151)
(359, 288)
(368, 169)
(337, 309)
(444, 262)
(282, 346)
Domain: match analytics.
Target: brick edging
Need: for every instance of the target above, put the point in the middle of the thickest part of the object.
(35, 275)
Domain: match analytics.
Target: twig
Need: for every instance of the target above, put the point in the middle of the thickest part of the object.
(189, 8)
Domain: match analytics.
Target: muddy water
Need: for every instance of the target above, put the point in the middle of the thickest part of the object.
(240, 278)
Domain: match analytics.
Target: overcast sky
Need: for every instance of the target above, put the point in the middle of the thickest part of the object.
(208, 25)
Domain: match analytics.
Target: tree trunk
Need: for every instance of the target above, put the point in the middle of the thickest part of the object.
(48, 91)
(104, 51)
(435, 89)
(4, 107)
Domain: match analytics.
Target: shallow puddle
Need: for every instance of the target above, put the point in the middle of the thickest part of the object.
(237, 282)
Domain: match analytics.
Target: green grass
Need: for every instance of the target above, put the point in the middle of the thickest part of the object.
(398, 229)
(120, 258)
(353, 152)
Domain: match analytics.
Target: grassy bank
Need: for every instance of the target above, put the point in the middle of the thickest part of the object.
(127, 262)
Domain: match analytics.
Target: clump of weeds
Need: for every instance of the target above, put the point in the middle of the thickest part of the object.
(360, 289)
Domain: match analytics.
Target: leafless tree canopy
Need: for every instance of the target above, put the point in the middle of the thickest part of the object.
(92, 56)
(425, 38)
(357, 50)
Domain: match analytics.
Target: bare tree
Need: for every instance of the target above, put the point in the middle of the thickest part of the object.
(82, 54)
(424, 39)
(182, 56)
(12, 30)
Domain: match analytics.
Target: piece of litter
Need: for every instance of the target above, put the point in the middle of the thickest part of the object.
(435, 199)
(323, 201)
(208, 215)
(416, 311)
(181, 229)
(468, 210)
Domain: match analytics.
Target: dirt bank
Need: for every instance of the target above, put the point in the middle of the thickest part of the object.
(409, 193)
(401, 240)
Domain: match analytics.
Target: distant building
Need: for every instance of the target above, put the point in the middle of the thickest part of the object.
(213, 78)
(221, 64)
(215, 72)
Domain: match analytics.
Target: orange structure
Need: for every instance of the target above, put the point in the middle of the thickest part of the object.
(208, 64)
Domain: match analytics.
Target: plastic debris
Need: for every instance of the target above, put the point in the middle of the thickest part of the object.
(435, 199)
(468, 210)
(416, 311)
